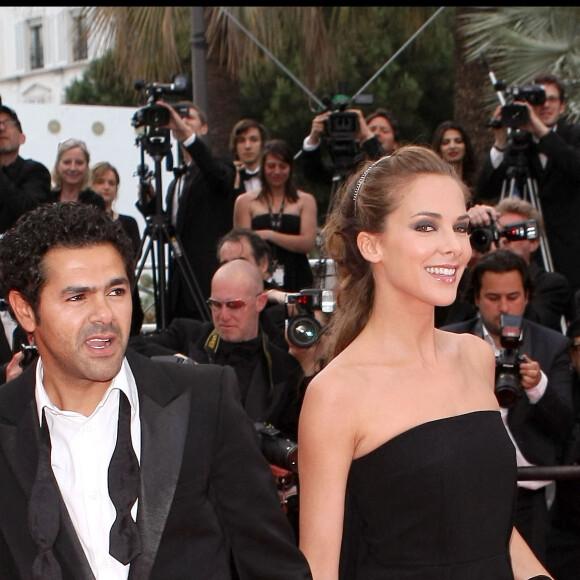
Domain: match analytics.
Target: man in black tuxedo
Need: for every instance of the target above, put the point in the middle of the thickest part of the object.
(203, 497)
(540, 421)
(24, 183)
(200, 206)
(551, 153)
(246, 144)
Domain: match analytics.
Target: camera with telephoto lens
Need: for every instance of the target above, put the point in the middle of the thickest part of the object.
(508, 388)
(514, 114)
(303, 329)
(153, 114)
(276, 448)
(481, 238)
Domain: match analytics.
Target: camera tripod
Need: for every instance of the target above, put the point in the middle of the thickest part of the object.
(520, 183)
(159, 232)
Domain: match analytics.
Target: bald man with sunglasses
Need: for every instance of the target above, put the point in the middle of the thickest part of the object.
(268, 376)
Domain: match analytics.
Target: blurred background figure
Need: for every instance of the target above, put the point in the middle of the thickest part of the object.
(283, 215)
(70, 174)
(246, 144)
(452, 143)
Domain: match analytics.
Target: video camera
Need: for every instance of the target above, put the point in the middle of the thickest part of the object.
(508, 388)
(303, 329)
(276, 448)
(153, 114)
(514, 114)
(481, 238)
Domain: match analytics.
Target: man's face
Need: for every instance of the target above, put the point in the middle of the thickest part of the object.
(84, 315)
(551, 110)
(523, 248)
(194, 122)
(501, 293)
(381, 128)
(10, 136)
(235, 324)
(249, 147)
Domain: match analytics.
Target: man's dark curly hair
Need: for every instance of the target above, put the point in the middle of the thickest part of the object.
(50, 226)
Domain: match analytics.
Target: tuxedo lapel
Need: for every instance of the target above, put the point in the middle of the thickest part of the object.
(163, 430)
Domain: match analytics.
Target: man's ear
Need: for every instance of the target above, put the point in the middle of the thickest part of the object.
(261, 301)
(535, 244)
(22, 311)
(203, 130)
(369, 246)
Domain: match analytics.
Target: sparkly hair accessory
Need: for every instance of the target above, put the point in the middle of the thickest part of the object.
(362, 178)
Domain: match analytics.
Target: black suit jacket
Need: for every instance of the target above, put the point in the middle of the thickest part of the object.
(24, 184)
(542, 429)
(276, 403)
(205, 214)
(205, 486)
(558, 191)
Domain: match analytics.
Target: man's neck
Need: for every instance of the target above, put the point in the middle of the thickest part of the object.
(253, 168)
(8, 158)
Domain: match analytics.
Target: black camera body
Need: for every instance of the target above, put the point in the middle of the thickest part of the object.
(481, 238)
(276, 448)
(155, 115)
(508, 388)
(303, 329)
(514, 114)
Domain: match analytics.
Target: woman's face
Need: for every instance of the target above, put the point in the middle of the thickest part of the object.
(452, 147)
(73, 166)
(276, 171)
(424, 248)
(106, 186)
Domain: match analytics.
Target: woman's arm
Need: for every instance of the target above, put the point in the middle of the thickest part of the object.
(325, 452)
(525, 565)
(242, 213)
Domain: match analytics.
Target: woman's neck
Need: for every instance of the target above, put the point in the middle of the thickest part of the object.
(70, 192)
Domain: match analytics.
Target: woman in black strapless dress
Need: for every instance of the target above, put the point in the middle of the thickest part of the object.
(283, 215)
(406, 469)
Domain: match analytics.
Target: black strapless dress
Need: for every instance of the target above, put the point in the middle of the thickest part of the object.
(434, 503)
(297, 271)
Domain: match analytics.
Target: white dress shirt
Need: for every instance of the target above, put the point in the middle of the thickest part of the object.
(81, 452)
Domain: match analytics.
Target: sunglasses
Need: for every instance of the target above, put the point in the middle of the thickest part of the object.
(235, 304)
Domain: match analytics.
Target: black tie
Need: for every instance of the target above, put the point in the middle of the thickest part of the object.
(124, 483)
(44, 512)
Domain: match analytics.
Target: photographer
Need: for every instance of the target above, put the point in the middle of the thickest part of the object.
(539, 423)
(551, 151)
(377, 135)
(267, 375)
(515, 225)
(200, 205)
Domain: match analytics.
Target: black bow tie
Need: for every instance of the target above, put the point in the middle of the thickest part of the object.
(124, 485)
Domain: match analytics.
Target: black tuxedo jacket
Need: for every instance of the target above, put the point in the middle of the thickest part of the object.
(542, 429)
(24, 184)
(205, 486)
(204, 215)
(558, 191)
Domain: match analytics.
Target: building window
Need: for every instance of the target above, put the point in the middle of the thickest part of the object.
(35, 45)
(80, 44)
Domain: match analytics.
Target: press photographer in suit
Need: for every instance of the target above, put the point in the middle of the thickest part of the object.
(551, 153)
(541, 416)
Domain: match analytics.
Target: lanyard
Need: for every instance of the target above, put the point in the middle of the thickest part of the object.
(276, 220)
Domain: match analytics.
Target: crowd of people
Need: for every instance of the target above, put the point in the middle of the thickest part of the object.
(451, 281)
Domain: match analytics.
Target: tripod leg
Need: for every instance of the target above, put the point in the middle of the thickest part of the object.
(544, 247)
(187, 273)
